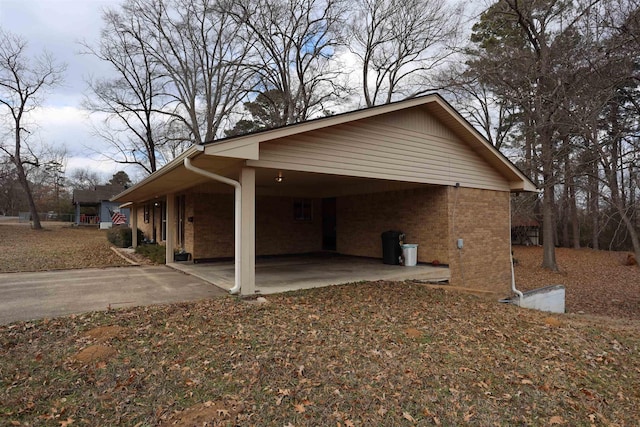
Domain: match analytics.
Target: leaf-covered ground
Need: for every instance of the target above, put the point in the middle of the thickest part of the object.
(55, 247)
(362, 354)
(596, 282)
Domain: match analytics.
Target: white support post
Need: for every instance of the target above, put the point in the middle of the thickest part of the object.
(170, 206)
(248, 233)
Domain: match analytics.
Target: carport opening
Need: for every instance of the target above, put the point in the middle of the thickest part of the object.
(329, 222)
(311, 213)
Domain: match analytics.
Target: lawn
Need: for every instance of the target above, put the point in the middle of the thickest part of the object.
(57, 246)
(362, 354)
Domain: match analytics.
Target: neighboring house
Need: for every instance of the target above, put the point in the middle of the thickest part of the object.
(336, 184)
(93, 206)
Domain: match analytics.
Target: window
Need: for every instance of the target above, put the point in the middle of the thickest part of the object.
(302, 209)
(146, 214)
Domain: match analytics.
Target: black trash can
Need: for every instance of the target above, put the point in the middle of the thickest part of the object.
(391, 250)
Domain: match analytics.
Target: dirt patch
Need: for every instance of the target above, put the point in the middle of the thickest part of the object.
(95, 353)
(105, 333)
(413, 333)
(221, 413)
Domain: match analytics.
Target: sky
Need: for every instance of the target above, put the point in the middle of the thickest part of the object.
(58, 26)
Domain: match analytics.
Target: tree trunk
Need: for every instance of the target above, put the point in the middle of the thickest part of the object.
(548, 220)
(573, 208)
(633, 233)
(24, 183)
(22, 176)
(548, 226)
(592, 209)
(566, 196)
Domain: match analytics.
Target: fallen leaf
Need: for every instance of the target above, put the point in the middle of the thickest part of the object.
(552, 322)
(413, 333)
(407, 416)
(66, 423)
(284, 392)
(349, 423)
(299, 407)
(556, 419)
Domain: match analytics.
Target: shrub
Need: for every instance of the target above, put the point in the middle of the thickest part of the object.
(121, 236)
(156, 253)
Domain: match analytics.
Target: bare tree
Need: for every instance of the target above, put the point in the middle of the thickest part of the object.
(294, 44)
(200, 49)
(10, 195)
(23, 81)
(401, 44)
(541, 43)
(84, 178)
(133, 102)
(493, 115)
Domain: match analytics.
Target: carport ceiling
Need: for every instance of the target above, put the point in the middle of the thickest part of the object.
(306, 184)
(293, 184)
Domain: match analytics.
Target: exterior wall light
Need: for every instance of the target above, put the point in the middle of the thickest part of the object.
(279, 177)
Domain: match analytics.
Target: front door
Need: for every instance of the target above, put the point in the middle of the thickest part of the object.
(329, 224)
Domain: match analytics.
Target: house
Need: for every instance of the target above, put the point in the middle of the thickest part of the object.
(93, 206)
(335, 184)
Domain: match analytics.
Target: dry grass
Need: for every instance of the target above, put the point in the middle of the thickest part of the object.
(55, 247)
(364, 354)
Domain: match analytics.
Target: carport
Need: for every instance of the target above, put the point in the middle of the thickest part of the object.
(333, 185)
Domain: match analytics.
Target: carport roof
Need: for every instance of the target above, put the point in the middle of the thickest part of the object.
(227, 155)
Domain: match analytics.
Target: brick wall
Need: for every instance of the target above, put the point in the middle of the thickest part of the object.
(419, 213)
(277, 232)
(213, 224)
(147, 228)
(481, 219)
(211, 235)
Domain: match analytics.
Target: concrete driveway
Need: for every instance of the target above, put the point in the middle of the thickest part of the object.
(27, 296)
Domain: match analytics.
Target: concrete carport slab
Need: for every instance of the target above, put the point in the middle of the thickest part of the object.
(289, 273)
(27, 296)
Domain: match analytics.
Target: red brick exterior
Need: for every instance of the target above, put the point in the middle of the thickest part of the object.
(210, 235)
(421, 214)
(481, 219)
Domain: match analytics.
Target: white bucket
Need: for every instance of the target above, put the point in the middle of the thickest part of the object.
(410, 254)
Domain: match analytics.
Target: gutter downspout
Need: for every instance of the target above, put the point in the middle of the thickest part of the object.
(238, 214)
(513, 276)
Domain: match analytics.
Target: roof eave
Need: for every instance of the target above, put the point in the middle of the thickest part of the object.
(175, 163)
